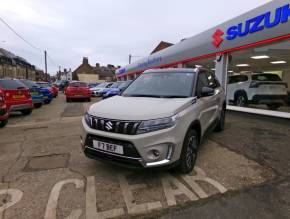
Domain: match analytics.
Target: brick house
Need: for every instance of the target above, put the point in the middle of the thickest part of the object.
(97, 73)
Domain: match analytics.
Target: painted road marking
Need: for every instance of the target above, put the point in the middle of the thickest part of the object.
(91, 203)
(15, 196)
(127, 191)
(50, 212)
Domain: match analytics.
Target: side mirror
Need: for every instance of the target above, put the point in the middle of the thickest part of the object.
(207, 91)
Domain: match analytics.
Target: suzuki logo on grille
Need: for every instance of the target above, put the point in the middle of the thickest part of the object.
(218, 38)
(109, 126)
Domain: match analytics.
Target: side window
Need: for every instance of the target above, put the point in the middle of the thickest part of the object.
(202, 81)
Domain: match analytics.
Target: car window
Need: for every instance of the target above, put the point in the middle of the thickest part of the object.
(29, 84)
(11, 84)
(202, 81)
(266, 77)
(237, 78)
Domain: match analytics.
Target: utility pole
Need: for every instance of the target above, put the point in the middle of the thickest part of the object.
(45, 61)
(130, 58)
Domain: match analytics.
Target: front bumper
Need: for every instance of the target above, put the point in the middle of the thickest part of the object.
(137, 148)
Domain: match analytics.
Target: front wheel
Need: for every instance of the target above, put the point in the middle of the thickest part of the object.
(37, 105)
(26, 111)
(241, 100)
(3, 123)
(189, 152)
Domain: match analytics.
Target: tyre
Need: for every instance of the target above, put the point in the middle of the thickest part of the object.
(241, 99)
(26, 111)
(47, 101)
(221, 123)
(37, 105)
(68, 100)
(89, 99)
(273, 106)
(3, 123)
(189, 152)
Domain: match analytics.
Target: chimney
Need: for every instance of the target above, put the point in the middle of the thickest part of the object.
(98, 65)
(64, 70)
(85, 60)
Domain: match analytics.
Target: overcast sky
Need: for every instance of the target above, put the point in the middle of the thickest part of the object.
(107, 31)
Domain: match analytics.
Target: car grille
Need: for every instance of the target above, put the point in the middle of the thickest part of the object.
(115, 126)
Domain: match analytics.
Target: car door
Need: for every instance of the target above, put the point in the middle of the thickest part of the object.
(209, 105)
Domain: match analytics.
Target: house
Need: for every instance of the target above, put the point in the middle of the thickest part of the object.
(65, 75)
(86, 72)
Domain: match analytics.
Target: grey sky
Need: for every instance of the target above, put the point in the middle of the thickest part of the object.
(107, 31)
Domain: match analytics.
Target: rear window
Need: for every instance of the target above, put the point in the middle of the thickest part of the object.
(78, 84)
(11, 84)
(266, 77)
(29, 84)
(237, 79)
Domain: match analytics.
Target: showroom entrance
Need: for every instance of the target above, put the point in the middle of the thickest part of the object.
(249, 54)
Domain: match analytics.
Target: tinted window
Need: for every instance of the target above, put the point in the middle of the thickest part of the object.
(78, 84)
(165, 84)
(202, 81)
(11, 84)
(266, 77)
(29, 84)
(237, 79)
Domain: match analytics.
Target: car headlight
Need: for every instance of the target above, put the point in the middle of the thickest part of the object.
(88, 119)
(157, 124)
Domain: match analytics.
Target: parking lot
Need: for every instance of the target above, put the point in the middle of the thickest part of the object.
(44, 173)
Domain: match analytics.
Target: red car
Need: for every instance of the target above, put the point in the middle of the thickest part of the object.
(54, 91)
(17, 96)
(78, 90)
(4, 114)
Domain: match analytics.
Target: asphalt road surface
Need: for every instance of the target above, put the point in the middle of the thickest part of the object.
(242, 172)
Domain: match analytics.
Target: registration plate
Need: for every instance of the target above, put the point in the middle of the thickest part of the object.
(78, 95)
(34, 93)
(104, 146)
(18, 96)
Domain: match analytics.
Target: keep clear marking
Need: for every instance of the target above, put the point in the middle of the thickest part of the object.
(50, 212)
(127, 191)
(91, 206)
(15, 196)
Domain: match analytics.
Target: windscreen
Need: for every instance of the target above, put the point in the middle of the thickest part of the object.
(43, 85)
(165, 84)
(266, 77)
(12, 84)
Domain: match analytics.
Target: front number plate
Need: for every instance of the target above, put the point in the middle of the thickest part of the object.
(104, 146)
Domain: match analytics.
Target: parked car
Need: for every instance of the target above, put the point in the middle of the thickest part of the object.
(117, 90)
(113, 86)
(35, 92)
(259, 88)
(17, 96)
(50, 87)
(97, 91)
(78, 90)
(158, 121)
(4, 113)
(46, 92)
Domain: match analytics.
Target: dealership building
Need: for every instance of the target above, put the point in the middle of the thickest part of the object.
(250, 53)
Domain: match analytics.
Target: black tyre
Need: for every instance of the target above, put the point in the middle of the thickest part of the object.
(37, 105)
(241, 99)
(89, 99)
(68, 100)
(47, 101)
(189, 152)
(273, 106)
(3, 123)
(221, 123)
(26, 111)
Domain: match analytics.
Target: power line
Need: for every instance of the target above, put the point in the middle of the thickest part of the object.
(30, 44)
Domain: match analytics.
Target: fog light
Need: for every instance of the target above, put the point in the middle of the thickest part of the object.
(156, 153)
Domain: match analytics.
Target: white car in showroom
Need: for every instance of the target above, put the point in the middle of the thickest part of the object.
(97, 91)
(256, 88)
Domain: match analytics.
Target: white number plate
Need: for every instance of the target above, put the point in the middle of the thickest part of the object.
(104, 146)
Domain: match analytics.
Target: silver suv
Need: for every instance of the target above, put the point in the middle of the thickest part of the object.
(159, 120)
